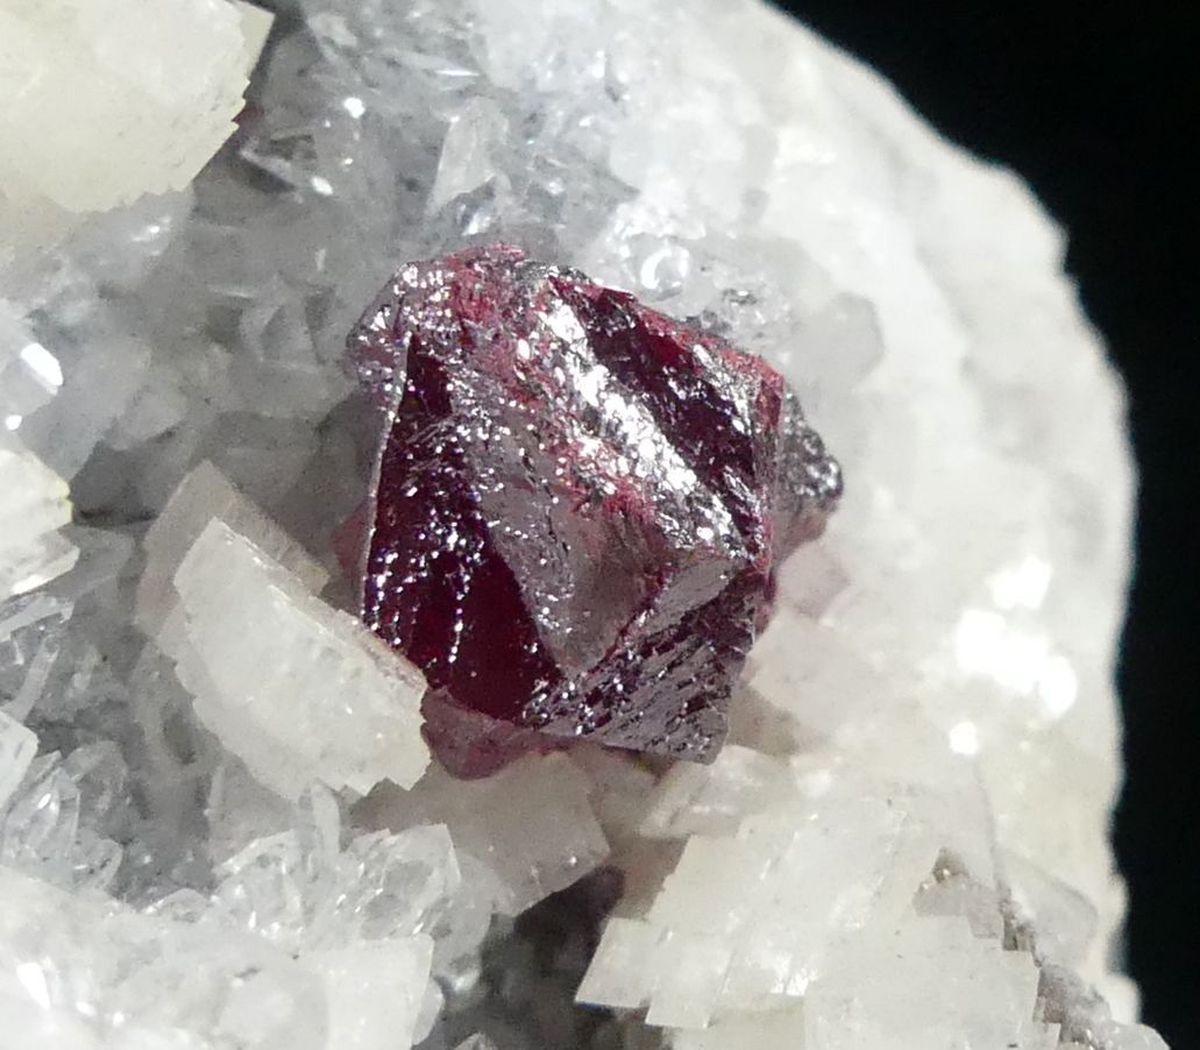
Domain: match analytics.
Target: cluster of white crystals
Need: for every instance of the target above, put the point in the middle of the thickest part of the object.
(219, 823)
(139, 94)
(289, 679)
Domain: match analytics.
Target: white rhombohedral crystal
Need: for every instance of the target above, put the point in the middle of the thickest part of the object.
(206, 494)
(294, 688)
(531, 824)
(139, 94)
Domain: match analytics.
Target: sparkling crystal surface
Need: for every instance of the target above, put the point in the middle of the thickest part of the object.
(580, 503)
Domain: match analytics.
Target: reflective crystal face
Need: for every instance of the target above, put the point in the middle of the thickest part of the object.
(579, 505)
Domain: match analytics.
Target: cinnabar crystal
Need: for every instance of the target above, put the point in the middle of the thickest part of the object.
(578, 507)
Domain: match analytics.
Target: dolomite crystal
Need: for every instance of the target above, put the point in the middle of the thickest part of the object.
(532, 824)
(145, 91)
(203, 496)
(922, 750)
(294, 688)
(579, 503)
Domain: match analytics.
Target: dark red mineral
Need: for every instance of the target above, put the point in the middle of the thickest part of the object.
(578, 507)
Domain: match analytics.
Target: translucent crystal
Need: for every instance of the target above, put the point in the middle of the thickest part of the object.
(18, 745)
(56, 818)
(297, 690)
(30, 375)
(78, 968)
(34, 672)
(364, 918)
(531, 824)
(52, 668)
(36, 504)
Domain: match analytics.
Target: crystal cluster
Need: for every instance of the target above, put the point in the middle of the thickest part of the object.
(215, 829)
(140, 95)
(291, 948)
(296, 688)
(851, 870)
(36, 503)
(579, 503)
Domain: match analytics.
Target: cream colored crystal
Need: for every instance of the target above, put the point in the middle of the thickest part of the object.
(256, 26)
(142, 92)
(18, 745)
(833, 900)
(295, 689)
(203, 495)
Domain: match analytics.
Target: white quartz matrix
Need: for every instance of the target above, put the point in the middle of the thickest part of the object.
(219, 825)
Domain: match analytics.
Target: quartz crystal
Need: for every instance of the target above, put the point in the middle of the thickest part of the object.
(902, 843)
(580, 503)
(83, 972)
(36, 500)
(18, 745)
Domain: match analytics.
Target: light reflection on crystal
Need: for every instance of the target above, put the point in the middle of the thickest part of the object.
(964, 738)
(1022, 585)
(44, 366)
(630, 433)
(1022, 662)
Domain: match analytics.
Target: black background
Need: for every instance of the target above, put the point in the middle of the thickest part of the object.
(1098, 106)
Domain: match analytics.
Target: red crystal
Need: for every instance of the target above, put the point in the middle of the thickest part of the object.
(578, 507)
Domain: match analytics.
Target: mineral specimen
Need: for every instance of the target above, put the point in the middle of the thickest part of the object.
(923, 754)
(579, 503)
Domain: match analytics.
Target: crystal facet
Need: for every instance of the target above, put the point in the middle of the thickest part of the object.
(580, 503)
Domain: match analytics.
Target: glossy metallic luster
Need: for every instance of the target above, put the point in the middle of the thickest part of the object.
(578, 505)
